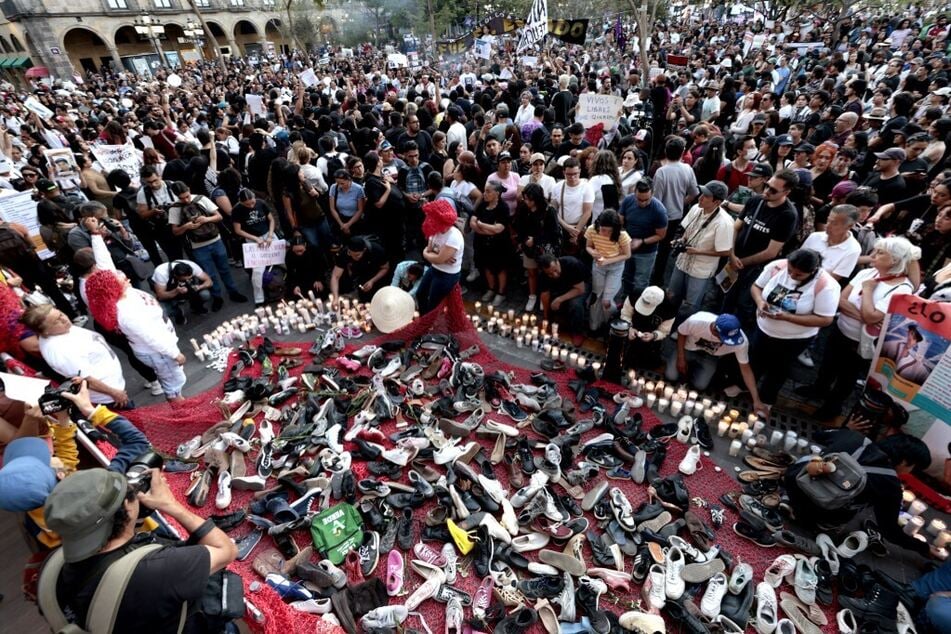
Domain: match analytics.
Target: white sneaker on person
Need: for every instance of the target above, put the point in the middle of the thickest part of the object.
(733, 391)
(530, 304)
(806, 360)
(498, 301)
(472, 276)
(488, 295)
(155, 388)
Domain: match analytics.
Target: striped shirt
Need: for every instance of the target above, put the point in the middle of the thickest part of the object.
(606, 247)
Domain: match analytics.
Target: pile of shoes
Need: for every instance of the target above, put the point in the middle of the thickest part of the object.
(515, 484)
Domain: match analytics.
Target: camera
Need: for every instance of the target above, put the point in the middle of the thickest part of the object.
(678, 246)
(52, 401)
(139, 474)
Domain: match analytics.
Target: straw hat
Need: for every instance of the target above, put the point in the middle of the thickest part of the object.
(391, 308)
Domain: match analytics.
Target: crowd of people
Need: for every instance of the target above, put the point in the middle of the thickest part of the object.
(742, 207)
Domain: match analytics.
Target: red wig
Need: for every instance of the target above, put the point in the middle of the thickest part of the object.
(440, 216)
(103, 290)
(11, 330)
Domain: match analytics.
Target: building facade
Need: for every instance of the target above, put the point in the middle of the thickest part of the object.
(71, 37)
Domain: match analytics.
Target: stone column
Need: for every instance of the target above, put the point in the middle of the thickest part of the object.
(116, 60)
(235, 51)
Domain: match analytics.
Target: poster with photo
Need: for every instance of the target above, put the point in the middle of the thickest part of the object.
(912, 366)
(62, 163)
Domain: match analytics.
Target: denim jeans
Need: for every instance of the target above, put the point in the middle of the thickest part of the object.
(937, 609)
(318, 234)
(213, 259)
(433, 288)
(701, 367)
(637, 272)
(771, 358)
(605, 285)
(687, 292)
(170, 374)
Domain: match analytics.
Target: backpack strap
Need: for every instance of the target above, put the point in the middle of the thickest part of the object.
(104, 607)
(46, 593)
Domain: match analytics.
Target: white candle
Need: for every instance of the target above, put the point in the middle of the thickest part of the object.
(914, 525)
(943, 539)
(907, 497)
(478, 306)
(564, 354)
(573, 359)
(935, 526)
(596, 366)
(758, 426)
(676, 407)
(735, 447)
(668, 392)
(554, 330)
(651, 399)
(722, 426)
(518, 341)
(706, 403)
(582, 362)
(802, 444)
(662, 405)
(698, 408)
(775, 438)
(917, 508)
(746, 434)
(546, 349)
(789, 442)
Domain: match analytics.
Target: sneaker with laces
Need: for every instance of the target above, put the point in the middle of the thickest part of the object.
(713, 596)
(766, 608)
(499, 300)
(429, 555)
(369, 552)
(690, 462)
(654, 588)
(487, 296)
(452, 561)
(530, 304)
(155, 388)
(387, 617)
(673, 573)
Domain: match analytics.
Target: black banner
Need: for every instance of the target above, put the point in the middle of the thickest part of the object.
(568, 31)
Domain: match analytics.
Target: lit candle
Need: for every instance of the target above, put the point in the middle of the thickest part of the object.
(546, 349)
(564, 354)
(536, 344)
(914, 525)
(940, 553)
(519, 341)
(651, 399)
(692, 395)
(511, 314)
(662, 405)
(698, 408)
(676, 407)
(573, 359)
(917, 508)
(722, 426)
(555, 351)
(649, 387)
(775, 438)
(709, 415)
(734, 430)
(596, 367)
(554, 330)
(943, 539)
(734, 414)
(706, 403)
(735, 447)
(752, 418)
(195, 345)
(478, 306)
(582, 362)
(907, 497)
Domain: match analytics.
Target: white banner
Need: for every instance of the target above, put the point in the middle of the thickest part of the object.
(529, 61)
(483, 48)
(594, 109)
(33, 105)
(19, 207)
(257, 255)
(536, 25)
(309, 78)
(256, 105)
(122, 157)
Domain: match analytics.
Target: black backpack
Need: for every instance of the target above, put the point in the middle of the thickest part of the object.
(207, 231)
(334, 163)
(13, 246)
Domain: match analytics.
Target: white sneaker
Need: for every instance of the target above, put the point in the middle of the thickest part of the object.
(688, 466)
(855, 542)
(530, 304)
(806, 360)
(452, 559)
(713, 596)
(906, 625)
(499, 300)
(655, 587)
(487, 296)
(829, 551)
(684, 429)
(473, 275)
(312, 606)
(385, 617)
(846, 621)
(155, 388)
(638, 621)
(742, 574)
(766, 614)
(782, 567)
(223, 498)
(673, 574)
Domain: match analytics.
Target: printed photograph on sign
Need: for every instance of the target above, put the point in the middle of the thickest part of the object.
(62, 163)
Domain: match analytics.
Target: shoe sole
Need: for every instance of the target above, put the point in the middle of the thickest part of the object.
(750, 539)
(698, 573)
(566, 563)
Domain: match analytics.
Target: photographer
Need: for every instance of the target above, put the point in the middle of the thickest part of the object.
(73, 351)
(179, 282)
(152, 203)
(95, 512)
(94, 220)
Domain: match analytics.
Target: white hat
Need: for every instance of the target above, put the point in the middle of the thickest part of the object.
(631, 100)
(391, 308)
(650, 299)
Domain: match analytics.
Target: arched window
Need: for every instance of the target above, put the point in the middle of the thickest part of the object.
(4, 45)
(16, 44)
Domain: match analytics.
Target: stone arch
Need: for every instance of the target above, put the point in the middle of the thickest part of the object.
(248, 37)
(4, 45)
(245, 27)
(217, 31)
(16, 44)
(86, 48)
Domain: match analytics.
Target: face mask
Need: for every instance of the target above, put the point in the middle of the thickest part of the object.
(751, 154)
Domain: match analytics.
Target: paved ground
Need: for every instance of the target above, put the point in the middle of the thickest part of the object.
(20, 616)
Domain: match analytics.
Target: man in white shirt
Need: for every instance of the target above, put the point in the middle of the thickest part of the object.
(701, 340)
(178, 282)
(839, 249)
(457, 130)
(707, 237)
(573, 199)
(76, 352)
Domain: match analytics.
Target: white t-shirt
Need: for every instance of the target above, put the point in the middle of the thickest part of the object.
(462, 188)
(573, 198)
(143, 322)
(163, 271)
(82, 352)
(839, 259)
(819, 296)
(884, 291)
(457, 132)
(715, 236)
(596, 182)
(700, 338)
(451, 238)
(161, 196)
(546, 182)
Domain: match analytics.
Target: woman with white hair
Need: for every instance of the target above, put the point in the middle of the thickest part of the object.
(862, 307)
(526, 109)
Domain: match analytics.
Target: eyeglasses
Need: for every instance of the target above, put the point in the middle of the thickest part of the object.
(30, 175)
(578, 173)
(772, 189)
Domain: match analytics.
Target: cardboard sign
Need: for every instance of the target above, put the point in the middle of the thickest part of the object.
(33, 105)
(122, 157)
(483, 48)
(256, 105)
(529, 61)
(594, 109)
(397, 60)
(19, 207)
(309, 78)
(24, 388)
(62, 163)
(258, 255)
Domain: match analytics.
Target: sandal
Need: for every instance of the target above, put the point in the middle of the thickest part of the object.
(551, 365)
(763, 464)
(776, 457)
(755, 476)
(288, 352)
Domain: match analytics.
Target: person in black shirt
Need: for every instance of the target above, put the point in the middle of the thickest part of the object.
(492, 240)
(651, 315)
(562, 101)
(563, 292)
(882, 492)
(576, 141)
(764, 226)
(385, 209)
(259, 164)
(362, 266)
(887, 181)
(254, 221)
(306, 270)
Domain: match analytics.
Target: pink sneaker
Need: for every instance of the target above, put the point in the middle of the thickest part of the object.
(483, 597)
(429, 555)
(394, 573)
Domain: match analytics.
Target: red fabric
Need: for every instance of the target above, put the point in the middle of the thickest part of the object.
(440, 216)
(934, 499)
(166, 428)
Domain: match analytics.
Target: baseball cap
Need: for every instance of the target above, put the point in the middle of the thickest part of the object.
(808, 148)
(762, 169)
(26, 478)
(80, 510)
(716, 189)
(728, 329)
(505, 156)
(386, 145)
(760, 118)
(843, 189)
(46, 185)
(892, 153)
(650, 299)
(537, 156)
(784, 139)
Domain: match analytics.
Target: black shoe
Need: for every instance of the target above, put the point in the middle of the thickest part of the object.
(229, 521)
(759, 536)
(542, 587)
(878, 604)
(642, 564)
(876, 545)
(436, 534)
(688, 622)
(247, 543)
(824, 587)
(404, 530)
(599, 552)
(388, 536)
(736, 607)
(702, 431)
(588, 599)
(237, 297)
(517, 622)
(483, 553)
(647, 511)
(216, 303)
(371, 515)
(384, 468)
(654, 463)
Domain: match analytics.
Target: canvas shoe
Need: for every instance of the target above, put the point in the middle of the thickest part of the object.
(567, 599)
(684, 429)
(452, 560)
(654, 588)
(742, 575)
(429, 555)
(387, 617)
(155, 388)
(673, 580)
(691, 461)
(855, 543)
(483, 597)
(766, 609)
(846, 622)
(427, 590)
(829, 551)
(338, 575)
(312, 606)
(394, 573)
(782, 567)
(713, 595)
(453, 616)
(805, 580)
(644, 622)
(223, 497)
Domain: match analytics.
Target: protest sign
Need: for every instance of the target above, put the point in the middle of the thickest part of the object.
(19, 207)
(33, 105)
(62, 163)
(911, 365)
(122, 157)
(256, 105)
(594, 109)
(309, 78)
(483, 48)
(257, 255)
(536, 25)
(24, 388)
(529, 61)
(397, 60)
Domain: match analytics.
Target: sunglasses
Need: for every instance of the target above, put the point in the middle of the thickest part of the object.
(772, 189)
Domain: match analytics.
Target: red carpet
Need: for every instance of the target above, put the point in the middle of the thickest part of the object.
(167, 427)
